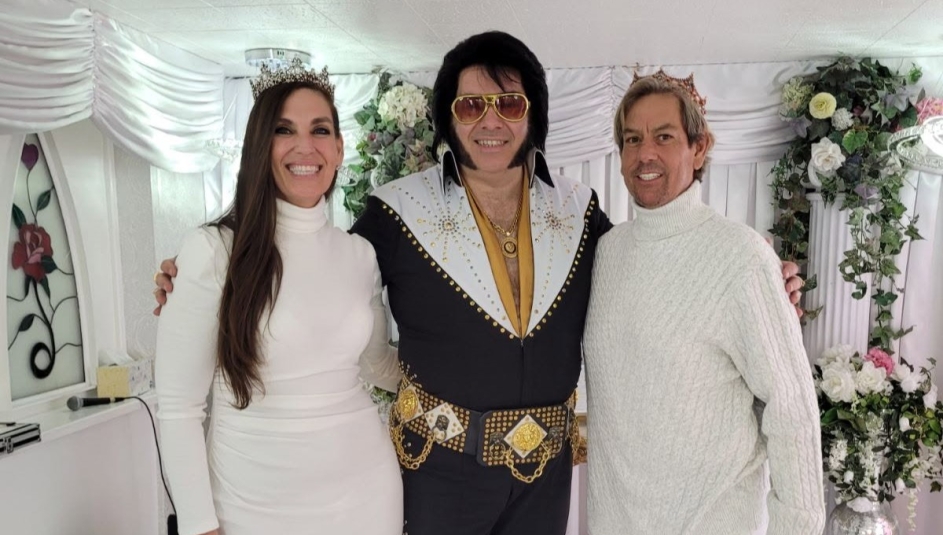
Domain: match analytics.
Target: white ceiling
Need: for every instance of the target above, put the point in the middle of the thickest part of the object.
(357, 35)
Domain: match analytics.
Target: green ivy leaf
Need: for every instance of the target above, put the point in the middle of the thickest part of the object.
(362, 116)
(861, 289)
(830, 416)
(854, 140)
(908, 118)
(935, 426)
(880, 141)
(819, 128)
(885, 299)
(18, 218)
(43, 200)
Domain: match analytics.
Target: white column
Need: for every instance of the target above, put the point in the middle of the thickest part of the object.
(844, 320)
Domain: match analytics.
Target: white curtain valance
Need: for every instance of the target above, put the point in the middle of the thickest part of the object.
(742, 105)
(60, 64)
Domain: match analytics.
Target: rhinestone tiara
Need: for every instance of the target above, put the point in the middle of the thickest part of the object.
(293, 72)
(687, 84)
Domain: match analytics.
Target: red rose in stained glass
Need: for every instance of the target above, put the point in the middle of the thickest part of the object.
(28, 253)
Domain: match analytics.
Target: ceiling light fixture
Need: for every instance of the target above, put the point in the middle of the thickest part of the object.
(275, 57)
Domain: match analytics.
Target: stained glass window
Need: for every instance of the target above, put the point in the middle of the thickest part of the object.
(44, 334)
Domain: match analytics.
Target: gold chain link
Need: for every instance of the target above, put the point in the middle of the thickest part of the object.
(576, 441)
(509, 462)
(405, 459)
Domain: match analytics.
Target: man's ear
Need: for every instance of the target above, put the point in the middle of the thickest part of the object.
(700, 152)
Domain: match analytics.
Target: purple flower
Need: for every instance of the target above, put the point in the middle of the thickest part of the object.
(800, 125)
(30, 156)
(901, 98)
(866, 192)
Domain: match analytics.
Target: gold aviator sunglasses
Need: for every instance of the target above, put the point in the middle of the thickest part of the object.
(511, 107)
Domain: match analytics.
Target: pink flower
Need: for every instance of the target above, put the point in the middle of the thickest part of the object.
(929, 107)
(880, 359)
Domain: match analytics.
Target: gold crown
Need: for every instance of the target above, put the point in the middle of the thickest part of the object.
(687, 84)
(293, 72)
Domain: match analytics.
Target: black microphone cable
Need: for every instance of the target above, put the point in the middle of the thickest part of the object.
(172, 519)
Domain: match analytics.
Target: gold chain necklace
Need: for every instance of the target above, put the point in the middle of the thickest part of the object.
(508, 237)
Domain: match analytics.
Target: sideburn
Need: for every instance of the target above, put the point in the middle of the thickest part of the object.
(519, 159)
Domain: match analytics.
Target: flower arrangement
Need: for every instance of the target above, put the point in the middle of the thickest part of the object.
(881, 426)
(843, 116)
(396, 139)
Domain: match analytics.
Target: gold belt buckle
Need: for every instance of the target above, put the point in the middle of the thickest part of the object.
(516, 434)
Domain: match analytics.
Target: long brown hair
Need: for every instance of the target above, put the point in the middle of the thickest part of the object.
(254, 275)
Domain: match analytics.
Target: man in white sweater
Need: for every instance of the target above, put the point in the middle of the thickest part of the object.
(688, 331)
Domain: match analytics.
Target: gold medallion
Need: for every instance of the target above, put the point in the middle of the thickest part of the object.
(509, 247)
(527, 437)
(407, 404)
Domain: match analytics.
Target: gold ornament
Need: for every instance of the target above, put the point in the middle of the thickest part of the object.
(407, 404)
(527, 437)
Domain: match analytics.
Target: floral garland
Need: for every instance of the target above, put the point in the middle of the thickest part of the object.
(396, 139)
(843, 116)
(880, 418)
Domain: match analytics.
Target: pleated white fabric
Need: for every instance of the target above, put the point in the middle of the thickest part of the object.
(60, 64)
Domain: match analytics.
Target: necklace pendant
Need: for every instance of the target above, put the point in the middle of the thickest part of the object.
(509, 246)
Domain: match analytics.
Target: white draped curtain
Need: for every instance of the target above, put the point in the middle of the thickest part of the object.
(60, 64)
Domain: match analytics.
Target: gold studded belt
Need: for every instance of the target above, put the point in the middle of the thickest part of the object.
(508, 438)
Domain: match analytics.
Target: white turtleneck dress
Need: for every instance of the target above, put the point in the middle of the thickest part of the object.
(309, 455)
(688, 325)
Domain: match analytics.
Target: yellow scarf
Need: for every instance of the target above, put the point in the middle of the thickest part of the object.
(525, 260)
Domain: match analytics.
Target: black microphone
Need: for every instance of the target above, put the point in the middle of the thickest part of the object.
(75, 403)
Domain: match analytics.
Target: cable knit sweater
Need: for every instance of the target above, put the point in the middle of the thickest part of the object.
(689, 335)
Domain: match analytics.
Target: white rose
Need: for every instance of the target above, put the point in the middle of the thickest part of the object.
(929, 399)
(870, 379)
(904, 424)
(840, 353)
(909, 381)
(900, 486)
(827, 156)
(901, 372)
(838, 383)
(849, 476)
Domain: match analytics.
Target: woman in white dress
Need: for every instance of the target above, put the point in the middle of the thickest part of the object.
(278, 313)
